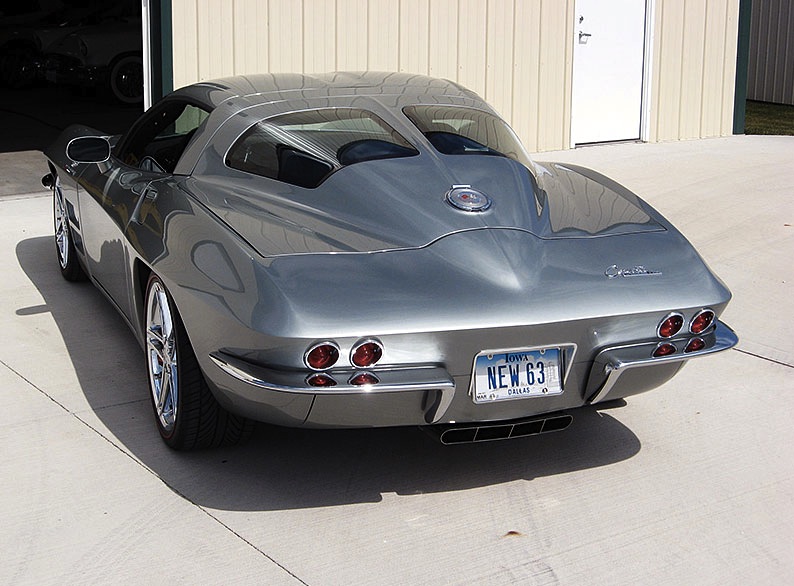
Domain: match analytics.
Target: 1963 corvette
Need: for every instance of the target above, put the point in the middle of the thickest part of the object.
(361, 250)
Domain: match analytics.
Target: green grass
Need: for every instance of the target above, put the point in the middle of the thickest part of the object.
(766, 118)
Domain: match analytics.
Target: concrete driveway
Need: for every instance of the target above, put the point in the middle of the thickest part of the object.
(692, 483)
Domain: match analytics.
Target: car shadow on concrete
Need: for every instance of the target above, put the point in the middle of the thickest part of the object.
(284, 468)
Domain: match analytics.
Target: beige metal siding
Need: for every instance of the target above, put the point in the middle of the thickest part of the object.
(770, 75)
(694, 67)
(517, 54)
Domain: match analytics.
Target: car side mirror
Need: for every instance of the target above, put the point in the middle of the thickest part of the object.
(88, 149)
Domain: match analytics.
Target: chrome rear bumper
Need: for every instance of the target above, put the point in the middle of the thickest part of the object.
(390, 380)
(611, 363)
(426, 394)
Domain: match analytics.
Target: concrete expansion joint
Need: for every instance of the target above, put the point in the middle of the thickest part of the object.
(148, 469)
(765, 358)
(238, 535)
(32, 384)
(77, 417)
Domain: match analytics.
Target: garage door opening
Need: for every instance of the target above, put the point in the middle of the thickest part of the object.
(68, 62)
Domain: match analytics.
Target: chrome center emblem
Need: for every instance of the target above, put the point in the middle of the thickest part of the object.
(614, 272)
(463, 197)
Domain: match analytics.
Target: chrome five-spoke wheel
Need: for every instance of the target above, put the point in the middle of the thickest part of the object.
(186, 412)
(64, 244)
(161, 350)
(61, 228)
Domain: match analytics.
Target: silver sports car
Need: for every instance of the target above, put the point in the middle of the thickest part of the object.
(377, 249)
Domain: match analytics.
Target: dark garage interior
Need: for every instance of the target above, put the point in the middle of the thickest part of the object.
(66, 62)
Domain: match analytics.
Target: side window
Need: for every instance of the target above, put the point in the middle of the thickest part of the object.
(303, 148)
(188, 121)
(157, 143)
(255, 152)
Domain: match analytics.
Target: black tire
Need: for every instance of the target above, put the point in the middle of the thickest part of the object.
(18, 67)
(186, 413)
(71, 270)
(126, 79)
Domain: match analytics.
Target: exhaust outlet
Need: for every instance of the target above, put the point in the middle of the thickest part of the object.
(487, 432)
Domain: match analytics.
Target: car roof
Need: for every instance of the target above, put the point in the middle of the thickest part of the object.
(269, 87)
(239, 102)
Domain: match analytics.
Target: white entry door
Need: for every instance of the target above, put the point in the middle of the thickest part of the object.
(609, 47)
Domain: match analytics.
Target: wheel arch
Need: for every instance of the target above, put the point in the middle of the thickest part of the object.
(124, 55)
(140, 278)
(53, 169)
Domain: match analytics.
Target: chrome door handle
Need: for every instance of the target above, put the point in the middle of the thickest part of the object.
(583, 37)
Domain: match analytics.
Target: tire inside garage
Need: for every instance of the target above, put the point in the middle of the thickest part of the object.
(66, 62)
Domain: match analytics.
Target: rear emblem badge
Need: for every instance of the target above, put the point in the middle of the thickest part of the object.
(463, 197)
(613, 272)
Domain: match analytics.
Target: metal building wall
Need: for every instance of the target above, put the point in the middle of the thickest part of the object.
(694, 69)
(517, 54)
(770, 72)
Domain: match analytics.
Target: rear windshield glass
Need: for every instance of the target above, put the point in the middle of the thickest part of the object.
(454, 130)
(303, 148)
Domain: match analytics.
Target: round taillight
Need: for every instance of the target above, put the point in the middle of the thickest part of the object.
(364, 378)
(695, 344)
(664, 349)
(701, 322)
(366, 353)
(321, 356)
(670, 325)
(320, 379)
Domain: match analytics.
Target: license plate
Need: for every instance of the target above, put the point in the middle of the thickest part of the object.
(516, 374)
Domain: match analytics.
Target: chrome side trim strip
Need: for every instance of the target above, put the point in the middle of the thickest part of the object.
(396, 379)
(429, 378)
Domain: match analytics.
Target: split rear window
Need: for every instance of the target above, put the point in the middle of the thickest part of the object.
(456, 130)
(303, 148)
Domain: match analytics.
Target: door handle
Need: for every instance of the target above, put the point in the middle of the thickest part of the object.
(583, 37)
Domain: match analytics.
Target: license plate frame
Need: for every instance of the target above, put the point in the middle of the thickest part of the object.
(517, 373)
